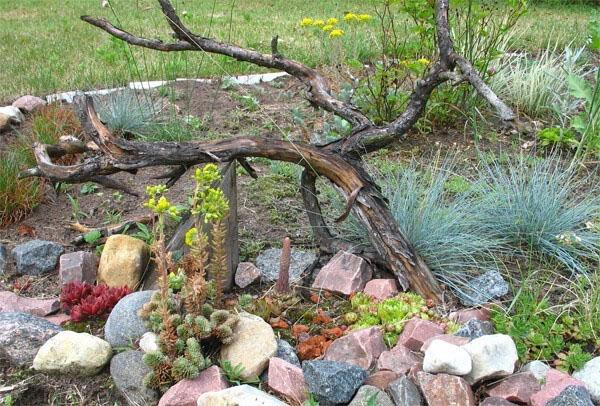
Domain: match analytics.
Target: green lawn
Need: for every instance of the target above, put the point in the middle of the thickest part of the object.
(47, 48)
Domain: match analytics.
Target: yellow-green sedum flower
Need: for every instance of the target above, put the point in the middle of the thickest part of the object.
(336, 33)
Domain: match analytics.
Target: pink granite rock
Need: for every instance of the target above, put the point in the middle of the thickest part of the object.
(10, 302)
(417, 331)
(246, 274)
(382, 379)
(516, 388)
(556, 382)
(287, 380)
(345, 273)
(399, 360)
(361, 348)
(80, 266)
(464, 315)
(449, 338)
(58, 318)
(186, 392)
(28, 104)
(492, 401)
(443, 389)
(381, 288)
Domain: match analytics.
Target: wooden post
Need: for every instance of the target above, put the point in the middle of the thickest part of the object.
(229, 186)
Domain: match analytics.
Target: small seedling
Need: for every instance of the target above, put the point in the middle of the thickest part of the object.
(88, 188)
(92, 237)
(234, 373)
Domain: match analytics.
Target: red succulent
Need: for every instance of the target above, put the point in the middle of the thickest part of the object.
(85, 301)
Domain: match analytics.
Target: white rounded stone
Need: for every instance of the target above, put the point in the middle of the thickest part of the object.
(73, 353)
(492, 356)
(447, 358)
(590, 375)
(149, 342)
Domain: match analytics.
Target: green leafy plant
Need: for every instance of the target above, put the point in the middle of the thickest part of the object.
(573, 359)
(144, 233)
(557, 136)
(233, 374)
(76, 212)
(92, 237)
(88, 188)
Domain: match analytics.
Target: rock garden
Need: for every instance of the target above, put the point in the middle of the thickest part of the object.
(388, 228)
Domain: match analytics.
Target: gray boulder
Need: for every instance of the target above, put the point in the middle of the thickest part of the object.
(268, 263)
(128, 371)
(474, 328)
(333, 382)
(572, 396)
(4, 259)
(483, 288)
(124, 325)
(22, 335)
(404, 392)
(36, 257)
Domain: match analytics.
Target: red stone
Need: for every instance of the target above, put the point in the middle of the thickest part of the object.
(58, 318)
(299, 328)
(516, 388)
(444, 389)
(279, 323)
(361, 348)
(456, 340)
(400, 360)
(28, 104)
(464, 315)
(322, 318)
(246, 274)
(312, 348)
(492, 401)
(345, 273)
(333, 333)
(80, 266)
(10, 302)
(381, 288)
(186, 392)
(556, 382)
(417, 331)
(287, 380)
(382, 379)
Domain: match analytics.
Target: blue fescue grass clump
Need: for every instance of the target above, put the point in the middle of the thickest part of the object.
(542, 208)
(128, 112)
(446, 228)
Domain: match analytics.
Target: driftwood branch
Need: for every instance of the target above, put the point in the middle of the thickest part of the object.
(336, 161)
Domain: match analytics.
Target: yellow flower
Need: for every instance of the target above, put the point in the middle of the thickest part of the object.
(318, 23)
(332, 21)
(423, 61)
(336, 33)
(191, 236)
(363, 18)
(349, 17)
(162, 205)
(305, 22)
(327, 28)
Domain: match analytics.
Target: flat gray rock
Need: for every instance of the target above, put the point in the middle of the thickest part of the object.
(36, 257)
(572, 396)
(333, 382)
(404, 392)
(474, 328)
(369, 395)
(124, 325)
(268, 263)
(128, 371)
(4, 259)
(22, 335)
(484, 288)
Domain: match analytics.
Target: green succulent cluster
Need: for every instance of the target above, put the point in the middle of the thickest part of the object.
(184, 336)
(392, 314)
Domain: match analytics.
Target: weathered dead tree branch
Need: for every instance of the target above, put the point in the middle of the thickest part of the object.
(337, 161)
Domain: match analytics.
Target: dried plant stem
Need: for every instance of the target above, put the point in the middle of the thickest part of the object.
(219, 260)
(283, 280)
